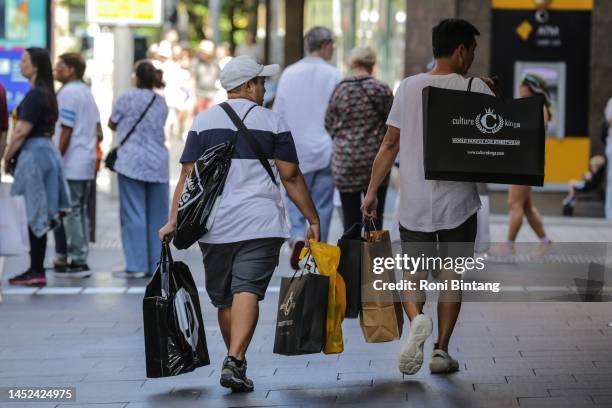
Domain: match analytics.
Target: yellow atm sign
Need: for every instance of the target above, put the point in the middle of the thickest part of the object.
(125, 12)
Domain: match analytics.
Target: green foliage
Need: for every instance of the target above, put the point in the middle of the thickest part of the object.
(242, 11)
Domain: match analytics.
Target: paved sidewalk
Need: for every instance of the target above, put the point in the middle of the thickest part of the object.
(511, 354)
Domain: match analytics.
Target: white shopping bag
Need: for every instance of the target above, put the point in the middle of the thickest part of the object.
(483, 234)
(13, 226)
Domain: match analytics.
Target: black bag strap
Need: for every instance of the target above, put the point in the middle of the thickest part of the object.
(380, 113)
(166, 265)
(142, 115)
(470, 84)
(253, 144)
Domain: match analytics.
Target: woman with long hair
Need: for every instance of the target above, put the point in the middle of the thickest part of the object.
(142, 167)
(35, 163)
(519, 197)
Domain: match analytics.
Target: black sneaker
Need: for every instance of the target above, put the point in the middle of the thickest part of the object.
(233, 375)
(29, 278)
(74, 271)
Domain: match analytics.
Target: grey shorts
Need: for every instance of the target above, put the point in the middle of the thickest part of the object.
(244, 266)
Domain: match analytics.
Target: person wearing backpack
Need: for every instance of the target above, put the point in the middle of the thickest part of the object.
(241, 249)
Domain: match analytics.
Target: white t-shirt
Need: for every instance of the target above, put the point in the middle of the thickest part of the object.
(251, 205)
(301, 99)
(428, 205)
(77, 110)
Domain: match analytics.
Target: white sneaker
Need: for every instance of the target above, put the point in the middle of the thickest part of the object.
(442, 363)
(411, 354)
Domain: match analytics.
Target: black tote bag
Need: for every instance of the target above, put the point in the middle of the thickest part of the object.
(469, 136)
(302, 314)
(175, 342)
(350, 268)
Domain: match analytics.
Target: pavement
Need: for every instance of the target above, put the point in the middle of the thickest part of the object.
(88, 334)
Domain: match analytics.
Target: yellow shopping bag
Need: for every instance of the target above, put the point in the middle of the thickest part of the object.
(327, 259)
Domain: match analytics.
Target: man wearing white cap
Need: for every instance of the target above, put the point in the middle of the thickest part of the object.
(242, 247)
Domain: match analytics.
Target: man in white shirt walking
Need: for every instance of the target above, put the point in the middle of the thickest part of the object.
(240, 251)
(430, 212)
(76, 135)
(303, 93)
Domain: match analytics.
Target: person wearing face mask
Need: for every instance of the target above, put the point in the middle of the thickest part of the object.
(430, 212)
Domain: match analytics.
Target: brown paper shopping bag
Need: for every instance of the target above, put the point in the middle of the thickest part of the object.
(381, 316)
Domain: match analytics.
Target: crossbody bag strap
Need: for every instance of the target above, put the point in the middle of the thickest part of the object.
(253, 143)
(381, 114)
(142, 115)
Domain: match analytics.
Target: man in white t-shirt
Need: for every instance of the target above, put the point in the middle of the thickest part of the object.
(303, 93)
(242, 247)
(76, 135)
(430, 212)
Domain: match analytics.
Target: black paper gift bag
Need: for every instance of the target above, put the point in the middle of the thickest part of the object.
(469, 136)
(175, 342)
(302, 314)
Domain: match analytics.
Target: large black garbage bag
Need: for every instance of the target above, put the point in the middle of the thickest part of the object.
(302, 314)
(175, 342)
(201, 194)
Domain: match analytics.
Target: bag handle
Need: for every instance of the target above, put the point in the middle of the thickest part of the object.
(469, 88)
(142, 115)
(165, 264)
(253, 144)
(367, 225)
(301, 270)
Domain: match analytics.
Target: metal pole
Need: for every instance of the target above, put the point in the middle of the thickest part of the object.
(123, 62)
(215, 15)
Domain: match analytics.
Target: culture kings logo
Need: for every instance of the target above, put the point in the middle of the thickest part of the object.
(488, 122)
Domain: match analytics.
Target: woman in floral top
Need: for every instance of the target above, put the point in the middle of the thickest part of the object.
(355, 119)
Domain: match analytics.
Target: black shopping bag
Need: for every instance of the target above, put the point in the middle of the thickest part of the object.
(469, 136)
(350, 268)
(175, 342)
(302, 314)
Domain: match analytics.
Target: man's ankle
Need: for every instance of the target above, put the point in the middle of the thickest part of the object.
(437, 346)
(239, 361)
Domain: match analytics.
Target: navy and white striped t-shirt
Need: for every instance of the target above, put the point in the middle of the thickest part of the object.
(251, 205)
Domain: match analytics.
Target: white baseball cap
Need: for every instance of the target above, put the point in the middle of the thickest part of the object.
(240, 69)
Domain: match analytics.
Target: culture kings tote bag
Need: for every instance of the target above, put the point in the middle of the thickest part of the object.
(470, 136)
